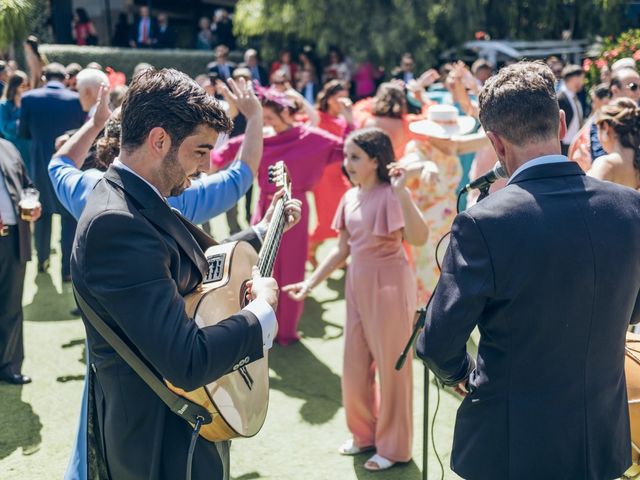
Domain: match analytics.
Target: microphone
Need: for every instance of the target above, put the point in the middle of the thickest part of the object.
(487, 179)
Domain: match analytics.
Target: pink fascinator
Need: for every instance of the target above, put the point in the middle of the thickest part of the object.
(270, 94)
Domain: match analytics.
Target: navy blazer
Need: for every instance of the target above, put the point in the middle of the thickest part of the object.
(214, 67)
(133, 261)
(549, 270)
(46, 113)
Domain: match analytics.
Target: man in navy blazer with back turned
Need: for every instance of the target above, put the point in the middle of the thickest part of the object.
(46, 113)
(548, 269)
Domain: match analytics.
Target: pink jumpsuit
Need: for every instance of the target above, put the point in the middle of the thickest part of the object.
(306, 151)
(381, 301)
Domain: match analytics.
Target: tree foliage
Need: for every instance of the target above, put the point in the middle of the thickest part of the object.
(15, 21)
(383, 29)
(19, 19)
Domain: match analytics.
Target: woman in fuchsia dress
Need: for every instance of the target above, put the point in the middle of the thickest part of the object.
(306, 151)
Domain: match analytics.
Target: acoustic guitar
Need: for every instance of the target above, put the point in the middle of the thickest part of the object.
(237, 401)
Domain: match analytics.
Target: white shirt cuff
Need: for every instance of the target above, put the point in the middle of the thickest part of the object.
(267, 318)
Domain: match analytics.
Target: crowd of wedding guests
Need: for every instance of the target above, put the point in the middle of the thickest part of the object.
(154, 31)
(315, 114)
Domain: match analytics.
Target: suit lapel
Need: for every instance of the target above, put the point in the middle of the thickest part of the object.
(159, 213)
(204, 241)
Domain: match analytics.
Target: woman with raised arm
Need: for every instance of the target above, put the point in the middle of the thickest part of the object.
(372, 220)
(306, 151)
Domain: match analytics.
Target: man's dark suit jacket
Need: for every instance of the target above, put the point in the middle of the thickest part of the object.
(14, 253)
(566, 104)
(165, 38)
(263, 75)
(45, 114)
(16, 179)
(133, 261)
(214, 67)
(151, 34)
(548, 269)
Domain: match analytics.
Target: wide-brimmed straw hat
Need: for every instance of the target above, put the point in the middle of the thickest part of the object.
(443, 121)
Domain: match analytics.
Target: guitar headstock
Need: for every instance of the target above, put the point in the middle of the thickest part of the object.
(279, 175)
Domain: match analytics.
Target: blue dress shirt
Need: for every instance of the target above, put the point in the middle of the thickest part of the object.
(595, 149)
(204, 199)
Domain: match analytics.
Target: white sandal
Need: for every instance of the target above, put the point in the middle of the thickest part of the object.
(350, 448)
(377, 463)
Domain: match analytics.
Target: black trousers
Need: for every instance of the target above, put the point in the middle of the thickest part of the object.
(12, 273)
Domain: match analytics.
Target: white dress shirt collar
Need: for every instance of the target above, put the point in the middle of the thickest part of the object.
(544, 160)
(118, 164)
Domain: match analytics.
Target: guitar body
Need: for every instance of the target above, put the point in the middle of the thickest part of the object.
(632, 373)
(238, 401)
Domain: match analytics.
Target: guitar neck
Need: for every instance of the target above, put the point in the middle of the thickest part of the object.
(271, 243)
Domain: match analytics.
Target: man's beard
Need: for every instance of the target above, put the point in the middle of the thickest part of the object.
(173, 173)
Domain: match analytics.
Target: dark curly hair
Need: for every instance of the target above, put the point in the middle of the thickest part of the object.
(376, 144)
(171, 100)
(330, 89)
(390, 101)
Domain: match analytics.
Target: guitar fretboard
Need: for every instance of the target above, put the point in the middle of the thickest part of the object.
(272, 239)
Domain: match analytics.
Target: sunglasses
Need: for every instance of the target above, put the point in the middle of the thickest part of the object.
(633, 86)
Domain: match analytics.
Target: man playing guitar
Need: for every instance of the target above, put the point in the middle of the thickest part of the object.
(133, 261)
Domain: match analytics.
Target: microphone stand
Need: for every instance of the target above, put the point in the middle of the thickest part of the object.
(484, 192)
(419, 320)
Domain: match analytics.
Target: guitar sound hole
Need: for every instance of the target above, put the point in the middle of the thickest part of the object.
(245, 297)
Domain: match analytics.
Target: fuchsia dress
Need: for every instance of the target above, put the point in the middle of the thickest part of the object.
(306, 151)
(332, 185)
(381, 301)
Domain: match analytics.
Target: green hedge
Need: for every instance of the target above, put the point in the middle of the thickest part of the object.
(192, 62)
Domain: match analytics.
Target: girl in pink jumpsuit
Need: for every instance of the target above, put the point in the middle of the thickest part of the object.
(306, 151)
(372, 220)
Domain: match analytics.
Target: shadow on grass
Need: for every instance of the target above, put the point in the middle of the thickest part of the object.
(302, 375)
(75, 343)
(337, 284)
(19, 425)
(247, 476)
(313, 323)
(404, 471)
(69, 378)
(48, 304)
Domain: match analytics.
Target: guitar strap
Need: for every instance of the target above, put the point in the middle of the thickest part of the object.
(182, 407)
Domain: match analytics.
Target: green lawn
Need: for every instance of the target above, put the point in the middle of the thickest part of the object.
(304, 426)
